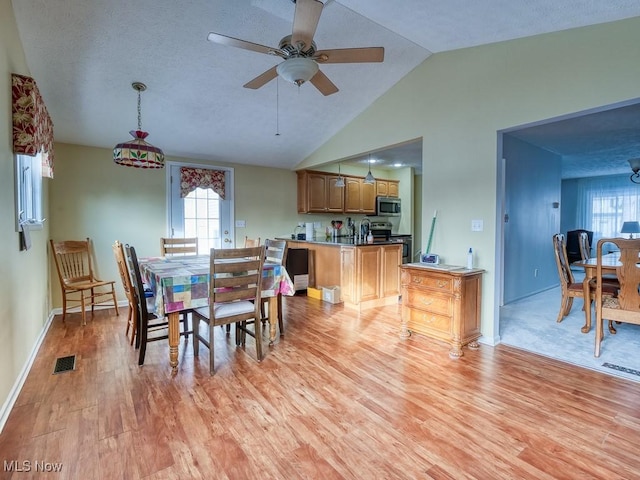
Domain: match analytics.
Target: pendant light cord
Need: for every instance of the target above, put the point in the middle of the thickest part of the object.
(139, 113)
(277, 107)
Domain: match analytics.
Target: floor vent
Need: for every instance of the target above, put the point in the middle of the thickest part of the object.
(65, 364)
(621, 369)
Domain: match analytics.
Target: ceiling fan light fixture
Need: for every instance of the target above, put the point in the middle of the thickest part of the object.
(297, 70)
(138, 152)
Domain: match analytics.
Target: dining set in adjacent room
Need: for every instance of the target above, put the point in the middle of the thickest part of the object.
(611, 280)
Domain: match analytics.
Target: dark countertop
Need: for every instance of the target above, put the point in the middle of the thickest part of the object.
(341, 241)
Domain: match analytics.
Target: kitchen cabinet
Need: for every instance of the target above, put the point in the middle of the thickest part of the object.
(370, 275)
(443, 304)
(387, 188)
(359, 197)
(317, 193)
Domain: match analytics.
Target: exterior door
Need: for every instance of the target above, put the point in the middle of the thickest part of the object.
(202, 213)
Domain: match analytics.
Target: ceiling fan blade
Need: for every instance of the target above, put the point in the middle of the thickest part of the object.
(322, 83)
(350, 55)
(305, 22)
(236, 42)
(262, 79)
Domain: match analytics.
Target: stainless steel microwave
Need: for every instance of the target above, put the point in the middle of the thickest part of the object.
(388, 206)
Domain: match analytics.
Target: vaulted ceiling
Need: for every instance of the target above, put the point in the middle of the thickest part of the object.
(85, 54)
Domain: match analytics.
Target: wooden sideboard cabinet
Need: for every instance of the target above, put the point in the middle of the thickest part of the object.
(443, 304)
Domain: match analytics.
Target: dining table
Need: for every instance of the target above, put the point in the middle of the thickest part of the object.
(610, 263)
(181, 283)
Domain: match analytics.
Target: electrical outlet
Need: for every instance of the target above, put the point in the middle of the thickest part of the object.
(535, 272)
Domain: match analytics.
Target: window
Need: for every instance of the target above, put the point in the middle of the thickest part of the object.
(28, 191)
(604, 203)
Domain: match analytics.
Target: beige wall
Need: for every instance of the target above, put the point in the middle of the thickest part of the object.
(93, 197)
(457, 102)
(24, 297)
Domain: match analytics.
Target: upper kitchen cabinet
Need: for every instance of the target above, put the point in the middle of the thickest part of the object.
(387, 188)
(317, 193)
(359, 197)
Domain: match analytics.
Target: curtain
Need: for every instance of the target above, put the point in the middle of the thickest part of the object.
(192, 178)
(604, 203)
(32, 126)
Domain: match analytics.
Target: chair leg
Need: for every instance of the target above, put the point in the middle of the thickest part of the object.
(143, 340)
(64, 306)
(211, 347)
(280, 321)
(115, 302)
(185, 325)
(82, 312)
(564, 305)
(258, 338)
(195, 321)
(612, 329)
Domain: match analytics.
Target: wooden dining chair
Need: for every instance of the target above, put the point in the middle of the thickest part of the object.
(150, 327)
(251, 242)
(234, 298)
(275, 252)
(77, 280)
(624, 306)
(132, 319)
(585, 248)
(571, 289)
(178, 246)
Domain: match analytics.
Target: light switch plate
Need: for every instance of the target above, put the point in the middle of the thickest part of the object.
(477, 225)
(241, 224)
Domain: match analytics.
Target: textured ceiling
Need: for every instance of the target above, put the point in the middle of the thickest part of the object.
(85, 54)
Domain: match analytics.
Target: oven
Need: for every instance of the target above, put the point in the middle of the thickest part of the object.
(407, 246)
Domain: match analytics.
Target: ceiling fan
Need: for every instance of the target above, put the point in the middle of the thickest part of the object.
(299, 52)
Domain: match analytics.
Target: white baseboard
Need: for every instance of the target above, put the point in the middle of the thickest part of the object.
(15, 391)
(58, 311)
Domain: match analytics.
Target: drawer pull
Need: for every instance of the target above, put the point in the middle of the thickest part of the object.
(426, 301)
(442, 283)
(428, 320)
(417, 280)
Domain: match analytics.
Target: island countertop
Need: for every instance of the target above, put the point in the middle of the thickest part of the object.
(343, 241)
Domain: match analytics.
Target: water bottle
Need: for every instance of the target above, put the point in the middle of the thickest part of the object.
(470, 259)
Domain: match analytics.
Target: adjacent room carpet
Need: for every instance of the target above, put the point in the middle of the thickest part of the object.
(530, 324)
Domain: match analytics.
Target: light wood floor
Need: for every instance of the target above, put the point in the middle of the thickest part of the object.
(340, 396)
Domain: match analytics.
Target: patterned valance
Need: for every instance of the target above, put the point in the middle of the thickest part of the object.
(192, 178)
(32, 126)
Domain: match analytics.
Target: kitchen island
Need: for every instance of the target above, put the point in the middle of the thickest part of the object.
(368, 274)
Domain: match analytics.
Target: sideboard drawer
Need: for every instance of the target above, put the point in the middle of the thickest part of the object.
(437, 283)
(428, 322)
(421, 300)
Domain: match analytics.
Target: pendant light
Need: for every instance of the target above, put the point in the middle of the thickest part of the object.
(340, 181)
(137, 152)
(369, 178)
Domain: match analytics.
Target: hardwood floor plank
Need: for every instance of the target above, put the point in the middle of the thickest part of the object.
(340, 396)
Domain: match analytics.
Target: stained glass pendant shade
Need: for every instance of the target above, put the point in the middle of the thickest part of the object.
(138, 152)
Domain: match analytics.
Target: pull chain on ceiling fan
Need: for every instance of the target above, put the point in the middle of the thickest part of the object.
(301, 58)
